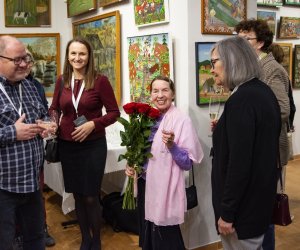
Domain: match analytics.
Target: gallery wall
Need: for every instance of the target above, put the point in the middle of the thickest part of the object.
(185, 29)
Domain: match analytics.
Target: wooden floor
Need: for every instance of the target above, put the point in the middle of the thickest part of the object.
(287, 238)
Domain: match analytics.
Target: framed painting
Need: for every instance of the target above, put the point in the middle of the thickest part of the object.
(34, 13)
(148, 57)
(296, 71)
(45, 49)
(295, 3)
(103, 32)
(206, 89)
(103, 3)
(289, 27)
(149, 12)
(269, 3)
(288, 57)
(269, 17)
(220, 17)
(77, 7)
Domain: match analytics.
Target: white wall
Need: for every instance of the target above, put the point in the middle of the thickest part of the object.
(184, 28)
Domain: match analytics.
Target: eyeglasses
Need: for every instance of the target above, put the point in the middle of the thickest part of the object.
(250, 38)
(213, 62)
(18, 60)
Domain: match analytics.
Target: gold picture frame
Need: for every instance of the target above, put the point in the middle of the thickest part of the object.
(45, 48)
(288, 58)
(103, 32)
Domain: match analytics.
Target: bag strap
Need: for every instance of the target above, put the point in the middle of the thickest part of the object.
(59, 93)
(193, 174)
(279, 167)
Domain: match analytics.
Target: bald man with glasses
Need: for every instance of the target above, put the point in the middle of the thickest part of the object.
(21, 149)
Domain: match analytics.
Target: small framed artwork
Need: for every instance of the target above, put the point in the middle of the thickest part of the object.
(288, 57)
(34, 13)
(289, 27)
(103, 3)
(270, 3)
(45, 49)
(103, 32)
(148, 57)
(77, 7)
(295, 3)
(269, 17)
(149, 12)
(296, 71)
(205, 83)
(220, 17)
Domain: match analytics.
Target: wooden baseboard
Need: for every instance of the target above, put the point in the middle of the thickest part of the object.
(212, 246)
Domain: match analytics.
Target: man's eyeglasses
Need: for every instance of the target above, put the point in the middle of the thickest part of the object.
(18, 60)
(213, 62)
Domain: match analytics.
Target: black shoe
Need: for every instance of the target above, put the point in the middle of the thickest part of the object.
(49, 241)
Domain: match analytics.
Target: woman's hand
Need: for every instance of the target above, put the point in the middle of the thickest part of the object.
(81, 132)
(168, 138)
(213, 124)
(129, 171)
(225, 227)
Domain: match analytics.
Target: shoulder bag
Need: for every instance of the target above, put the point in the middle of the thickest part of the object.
(191, 194)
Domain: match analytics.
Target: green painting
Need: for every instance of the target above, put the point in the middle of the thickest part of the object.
(77, 7)
(33, 13)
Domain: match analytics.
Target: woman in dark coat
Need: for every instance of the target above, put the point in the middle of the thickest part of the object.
(245, 147)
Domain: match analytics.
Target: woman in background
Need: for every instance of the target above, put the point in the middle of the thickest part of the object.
(161, 190)
(80, 94)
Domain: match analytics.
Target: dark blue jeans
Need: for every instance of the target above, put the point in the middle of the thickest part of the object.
(27, 210)
(269, 239)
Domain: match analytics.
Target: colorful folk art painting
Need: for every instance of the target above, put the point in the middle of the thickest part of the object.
(206, 87)
(269, 17)
(296, 72)
(148, 57)
(220, 16)
(147, 12)
(289, 27)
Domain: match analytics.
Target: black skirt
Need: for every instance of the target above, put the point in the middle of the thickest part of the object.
(83, 165)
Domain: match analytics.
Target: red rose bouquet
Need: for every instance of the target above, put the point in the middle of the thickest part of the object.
(135, 137)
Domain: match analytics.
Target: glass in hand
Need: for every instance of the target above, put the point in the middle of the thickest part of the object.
(214, 110)
(167, 129)
(50, 124)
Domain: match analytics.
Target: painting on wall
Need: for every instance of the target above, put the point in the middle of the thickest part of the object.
(206, 87)
(77, 7)
(34, 13)
(295, 3)
(149, 12)
(270, 3)
(220, 17)
(288, 59)
(269, 17)
(148, 57)
(103, 32)
(103, 3)
(289, 27)
(45, 49)
(296, 71)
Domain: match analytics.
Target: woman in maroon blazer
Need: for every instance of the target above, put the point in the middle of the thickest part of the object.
(245, 147)
(80, 94)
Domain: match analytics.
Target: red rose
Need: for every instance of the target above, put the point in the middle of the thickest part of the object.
(153, 113)
(130, 108)
(143, 108)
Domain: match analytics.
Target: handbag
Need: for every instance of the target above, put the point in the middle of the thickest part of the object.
(281, 211)
(191, 194)
(51, 150)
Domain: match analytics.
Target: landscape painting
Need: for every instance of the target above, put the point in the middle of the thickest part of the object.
(220, 17)
(296, 71)
(287, 59)
(45, 49)
(148, 57)
(270, 3)
(33, 13)
(206, 87)
(103, 32)
(77, 7)
(289, 27)
(269, 17)
(148, 12)
(295, 3)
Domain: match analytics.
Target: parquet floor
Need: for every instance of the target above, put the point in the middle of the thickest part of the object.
(287, 238)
